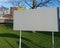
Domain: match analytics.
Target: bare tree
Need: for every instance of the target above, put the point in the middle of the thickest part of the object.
(31, 3)
(36, 3)
(4, 10)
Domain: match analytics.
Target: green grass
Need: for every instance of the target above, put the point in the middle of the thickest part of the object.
(36, 40)
(8, 37)
(57, 40)
(39, 40)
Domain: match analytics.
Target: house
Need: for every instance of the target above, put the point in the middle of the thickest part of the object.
(8, 17)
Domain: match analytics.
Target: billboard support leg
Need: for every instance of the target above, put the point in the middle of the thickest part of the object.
(52, 39)
(20, 40)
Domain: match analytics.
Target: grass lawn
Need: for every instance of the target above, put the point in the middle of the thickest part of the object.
(39, 40)
(8, 37)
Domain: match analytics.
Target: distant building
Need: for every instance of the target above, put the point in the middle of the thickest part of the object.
(8, 14)
(11, 12)
(1, 14)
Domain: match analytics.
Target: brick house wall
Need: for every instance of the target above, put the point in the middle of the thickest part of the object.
(11, 13)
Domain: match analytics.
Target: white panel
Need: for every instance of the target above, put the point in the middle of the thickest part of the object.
(43, 19)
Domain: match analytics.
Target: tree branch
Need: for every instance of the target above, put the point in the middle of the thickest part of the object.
(43, 3)
(27, 4)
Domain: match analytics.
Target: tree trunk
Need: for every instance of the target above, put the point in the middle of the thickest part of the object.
(34, 4)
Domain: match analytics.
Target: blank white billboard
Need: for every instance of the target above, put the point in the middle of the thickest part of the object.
(43, 19)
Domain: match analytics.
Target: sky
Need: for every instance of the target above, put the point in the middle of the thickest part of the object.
(7, 4)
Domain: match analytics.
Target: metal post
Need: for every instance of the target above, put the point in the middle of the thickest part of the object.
(52, 39)
(20, 40)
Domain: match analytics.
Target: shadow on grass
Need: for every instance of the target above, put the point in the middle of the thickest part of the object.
(17, 42)
(9, 35)
(27, 31)
(46, 33)
(57, 34)
(25, 46)
(9, 43)
(40, 32)
(9, 25)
